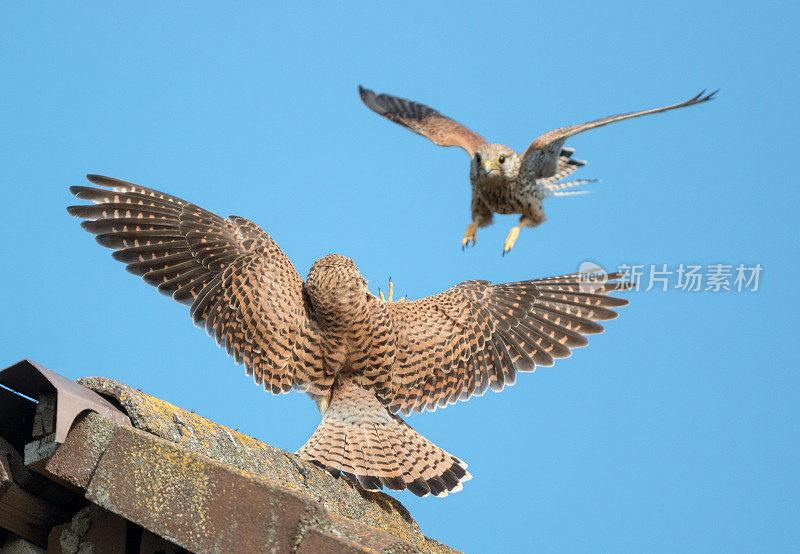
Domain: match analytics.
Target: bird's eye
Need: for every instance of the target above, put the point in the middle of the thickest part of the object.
(477, 157)
(501, 159)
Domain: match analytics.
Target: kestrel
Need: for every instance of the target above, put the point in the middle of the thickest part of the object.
(362, 359)
(503, 181)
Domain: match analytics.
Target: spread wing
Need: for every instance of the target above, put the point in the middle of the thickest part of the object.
(541, 157)
(422, 120)
(475, 336)
(241, 286)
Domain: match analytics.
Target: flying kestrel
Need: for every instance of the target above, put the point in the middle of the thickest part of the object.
(503, 181)
(362, 359)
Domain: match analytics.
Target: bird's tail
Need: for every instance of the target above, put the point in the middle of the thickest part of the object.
(566, 166)
(556, 189)
(359, 437)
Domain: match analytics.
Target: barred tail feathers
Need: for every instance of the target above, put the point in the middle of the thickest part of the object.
(556, 189)
(359, 437)
(566, 166)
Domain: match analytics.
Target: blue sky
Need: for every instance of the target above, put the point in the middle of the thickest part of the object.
(674, 430)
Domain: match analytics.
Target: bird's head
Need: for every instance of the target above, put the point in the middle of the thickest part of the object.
(494, 161)
(334, 280)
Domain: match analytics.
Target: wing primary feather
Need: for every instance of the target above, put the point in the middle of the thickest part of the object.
(188, 252)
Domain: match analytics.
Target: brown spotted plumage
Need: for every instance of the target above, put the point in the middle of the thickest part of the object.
(362, 359)
(503, 181)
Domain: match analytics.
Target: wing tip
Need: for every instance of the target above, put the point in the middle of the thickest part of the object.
(703, 97)
(371, 100)
(105, 181)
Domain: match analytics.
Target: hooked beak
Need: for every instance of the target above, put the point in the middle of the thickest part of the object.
(488, 167)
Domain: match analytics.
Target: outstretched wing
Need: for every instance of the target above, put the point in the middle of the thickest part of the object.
(476, 336)
(422, 120)
(541, 158)
(241, 286)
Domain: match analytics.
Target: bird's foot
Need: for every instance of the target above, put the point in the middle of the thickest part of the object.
(511, 238)
(469, 235)
(391, 293)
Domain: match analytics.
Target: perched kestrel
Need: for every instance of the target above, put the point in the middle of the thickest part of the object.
(362, 359)
(503, 181)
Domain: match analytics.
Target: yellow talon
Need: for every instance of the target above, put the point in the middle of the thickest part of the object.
(512, 238)
(469, 235)
(391, 293)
